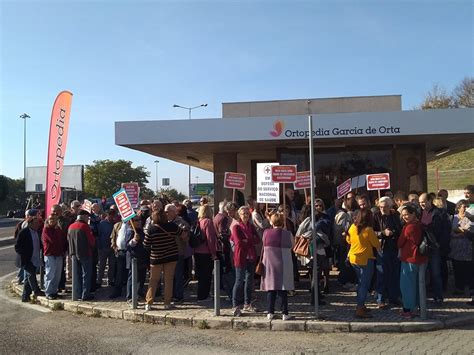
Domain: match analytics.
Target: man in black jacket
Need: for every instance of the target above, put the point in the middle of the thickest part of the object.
(28, 247)
(387, 227)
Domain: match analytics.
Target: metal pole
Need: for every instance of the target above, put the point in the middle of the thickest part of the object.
(422, 290)
(315, 254)
(42, 269)
(189, 166)
(24, 150)
(74, 278)
(134, 284)
(156, 166)
(217, 288)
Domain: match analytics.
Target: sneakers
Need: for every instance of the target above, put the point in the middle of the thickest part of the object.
(236, 312)
(148, 307)
(287, 317)
(250, 308)
(270, 316)
(291, 293)
(169, 306)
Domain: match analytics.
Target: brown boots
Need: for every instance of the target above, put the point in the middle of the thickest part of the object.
(362, 312)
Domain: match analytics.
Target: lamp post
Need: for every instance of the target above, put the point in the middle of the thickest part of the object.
(24, 117)
(156, 165)
(197, 180)
(189, 117)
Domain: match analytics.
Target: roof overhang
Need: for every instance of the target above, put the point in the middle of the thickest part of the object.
(195, 141)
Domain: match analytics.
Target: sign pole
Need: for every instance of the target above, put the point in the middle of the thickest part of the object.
(378, 193)
(233, 195)
(315, 254)
(284, 203)
(305, 196)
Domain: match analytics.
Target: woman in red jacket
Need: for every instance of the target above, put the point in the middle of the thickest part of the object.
(408, 243)
(244, 237)
(54, 245)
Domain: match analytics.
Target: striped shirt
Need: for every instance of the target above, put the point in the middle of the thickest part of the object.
(161, 241)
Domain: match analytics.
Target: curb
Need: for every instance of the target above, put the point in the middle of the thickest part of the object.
(237, 323)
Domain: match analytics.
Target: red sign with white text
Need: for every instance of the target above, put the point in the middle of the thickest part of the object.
(87, 206)
(344, 188)
(124, 206)
(284, 173)
(378, 181)
(133, 192)
(303, 180)
(234, 181)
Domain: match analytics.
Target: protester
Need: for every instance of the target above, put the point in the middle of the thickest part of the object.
(28, 246)
(410, 239)
(244, 237)
(119, 248)
(461, 250)
(160, 241)
(54, 246)
(277, 278)
(434, 219)
(222, 222)
(188, 251)
(192, 214)
(135, 249)
(182, 242)
(387, 227)
(94, 223)
(362, 240)
(450, 206)
(29, 215)
(104, 248)
(205, 253)
(81, 243)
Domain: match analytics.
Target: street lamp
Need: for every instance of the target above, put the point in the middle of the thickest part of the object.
(189, 116)
(156, 162)
(24, 117)
(197, 180)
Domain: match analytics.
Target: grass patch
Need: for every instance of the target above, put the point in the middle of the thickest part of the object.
(203, 324)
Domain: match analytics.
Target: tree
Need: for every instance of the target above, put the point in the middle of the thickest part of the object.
(462, 96)
(172, 194)
(104, 177)
(12, 194)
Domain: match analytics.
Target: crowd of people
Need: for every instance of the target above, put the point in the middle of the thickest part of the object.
(375, 248)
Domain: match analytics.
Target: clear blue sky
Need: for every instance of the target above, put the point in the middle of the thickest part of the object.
(130, 60)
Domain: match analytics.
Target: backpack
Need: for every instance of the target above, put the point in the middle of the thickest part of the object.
(195, 236)
(428, 242)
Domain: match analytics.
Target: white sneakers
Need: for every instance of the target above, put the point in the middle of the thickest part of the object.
(271, 316)
(148, 307)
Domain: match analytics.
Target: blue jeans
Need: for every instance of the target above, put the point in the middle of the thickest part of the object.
(243, 294)
(52, 276)
(434, 265)
(364, 275)
(409, 285)
(388, 277)
(30, 282)
(83, 276)
(178, 282)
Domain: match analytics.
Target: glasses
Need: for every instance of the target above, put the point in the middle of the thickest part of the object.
(319, 205)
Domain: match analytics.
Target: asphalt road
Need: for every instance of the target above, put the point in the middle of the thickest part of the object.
(26, 328)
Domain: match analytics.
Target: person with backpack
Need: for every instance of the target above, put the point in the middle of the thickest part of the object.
(206, 252)
(411, 259)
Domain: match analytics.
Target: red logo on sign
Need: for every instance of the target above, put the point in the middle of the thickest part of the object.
(234, 181)
(284, 173)
(378, 181)
(278, 128)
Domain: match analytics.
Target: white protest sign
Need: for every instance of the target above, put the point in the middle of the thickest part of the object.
(267, 191)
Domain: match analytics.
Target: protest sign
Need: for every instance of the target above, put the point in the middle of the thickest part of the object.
(124, 206)
(284, 173)
(378, 181)
(344, 188)
(267, 191)
(133, 193)
(234, 181)
(87, 206)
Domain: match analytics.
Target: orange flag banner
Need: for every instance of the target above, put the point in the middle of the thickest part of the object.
(58, 131)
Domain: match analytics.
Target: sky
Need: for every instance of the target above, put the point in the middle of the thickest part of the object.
(132, 60)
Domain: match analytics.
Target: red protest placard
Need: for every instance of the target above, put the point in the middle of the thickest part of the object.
(303, 180)
(124, 206)
(234, 181)
(133, 192)
(284, 173)
(378, 181)
(344, 188)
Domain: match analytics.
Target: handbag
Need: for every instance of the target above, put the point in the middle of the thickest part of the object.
(301, 247)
